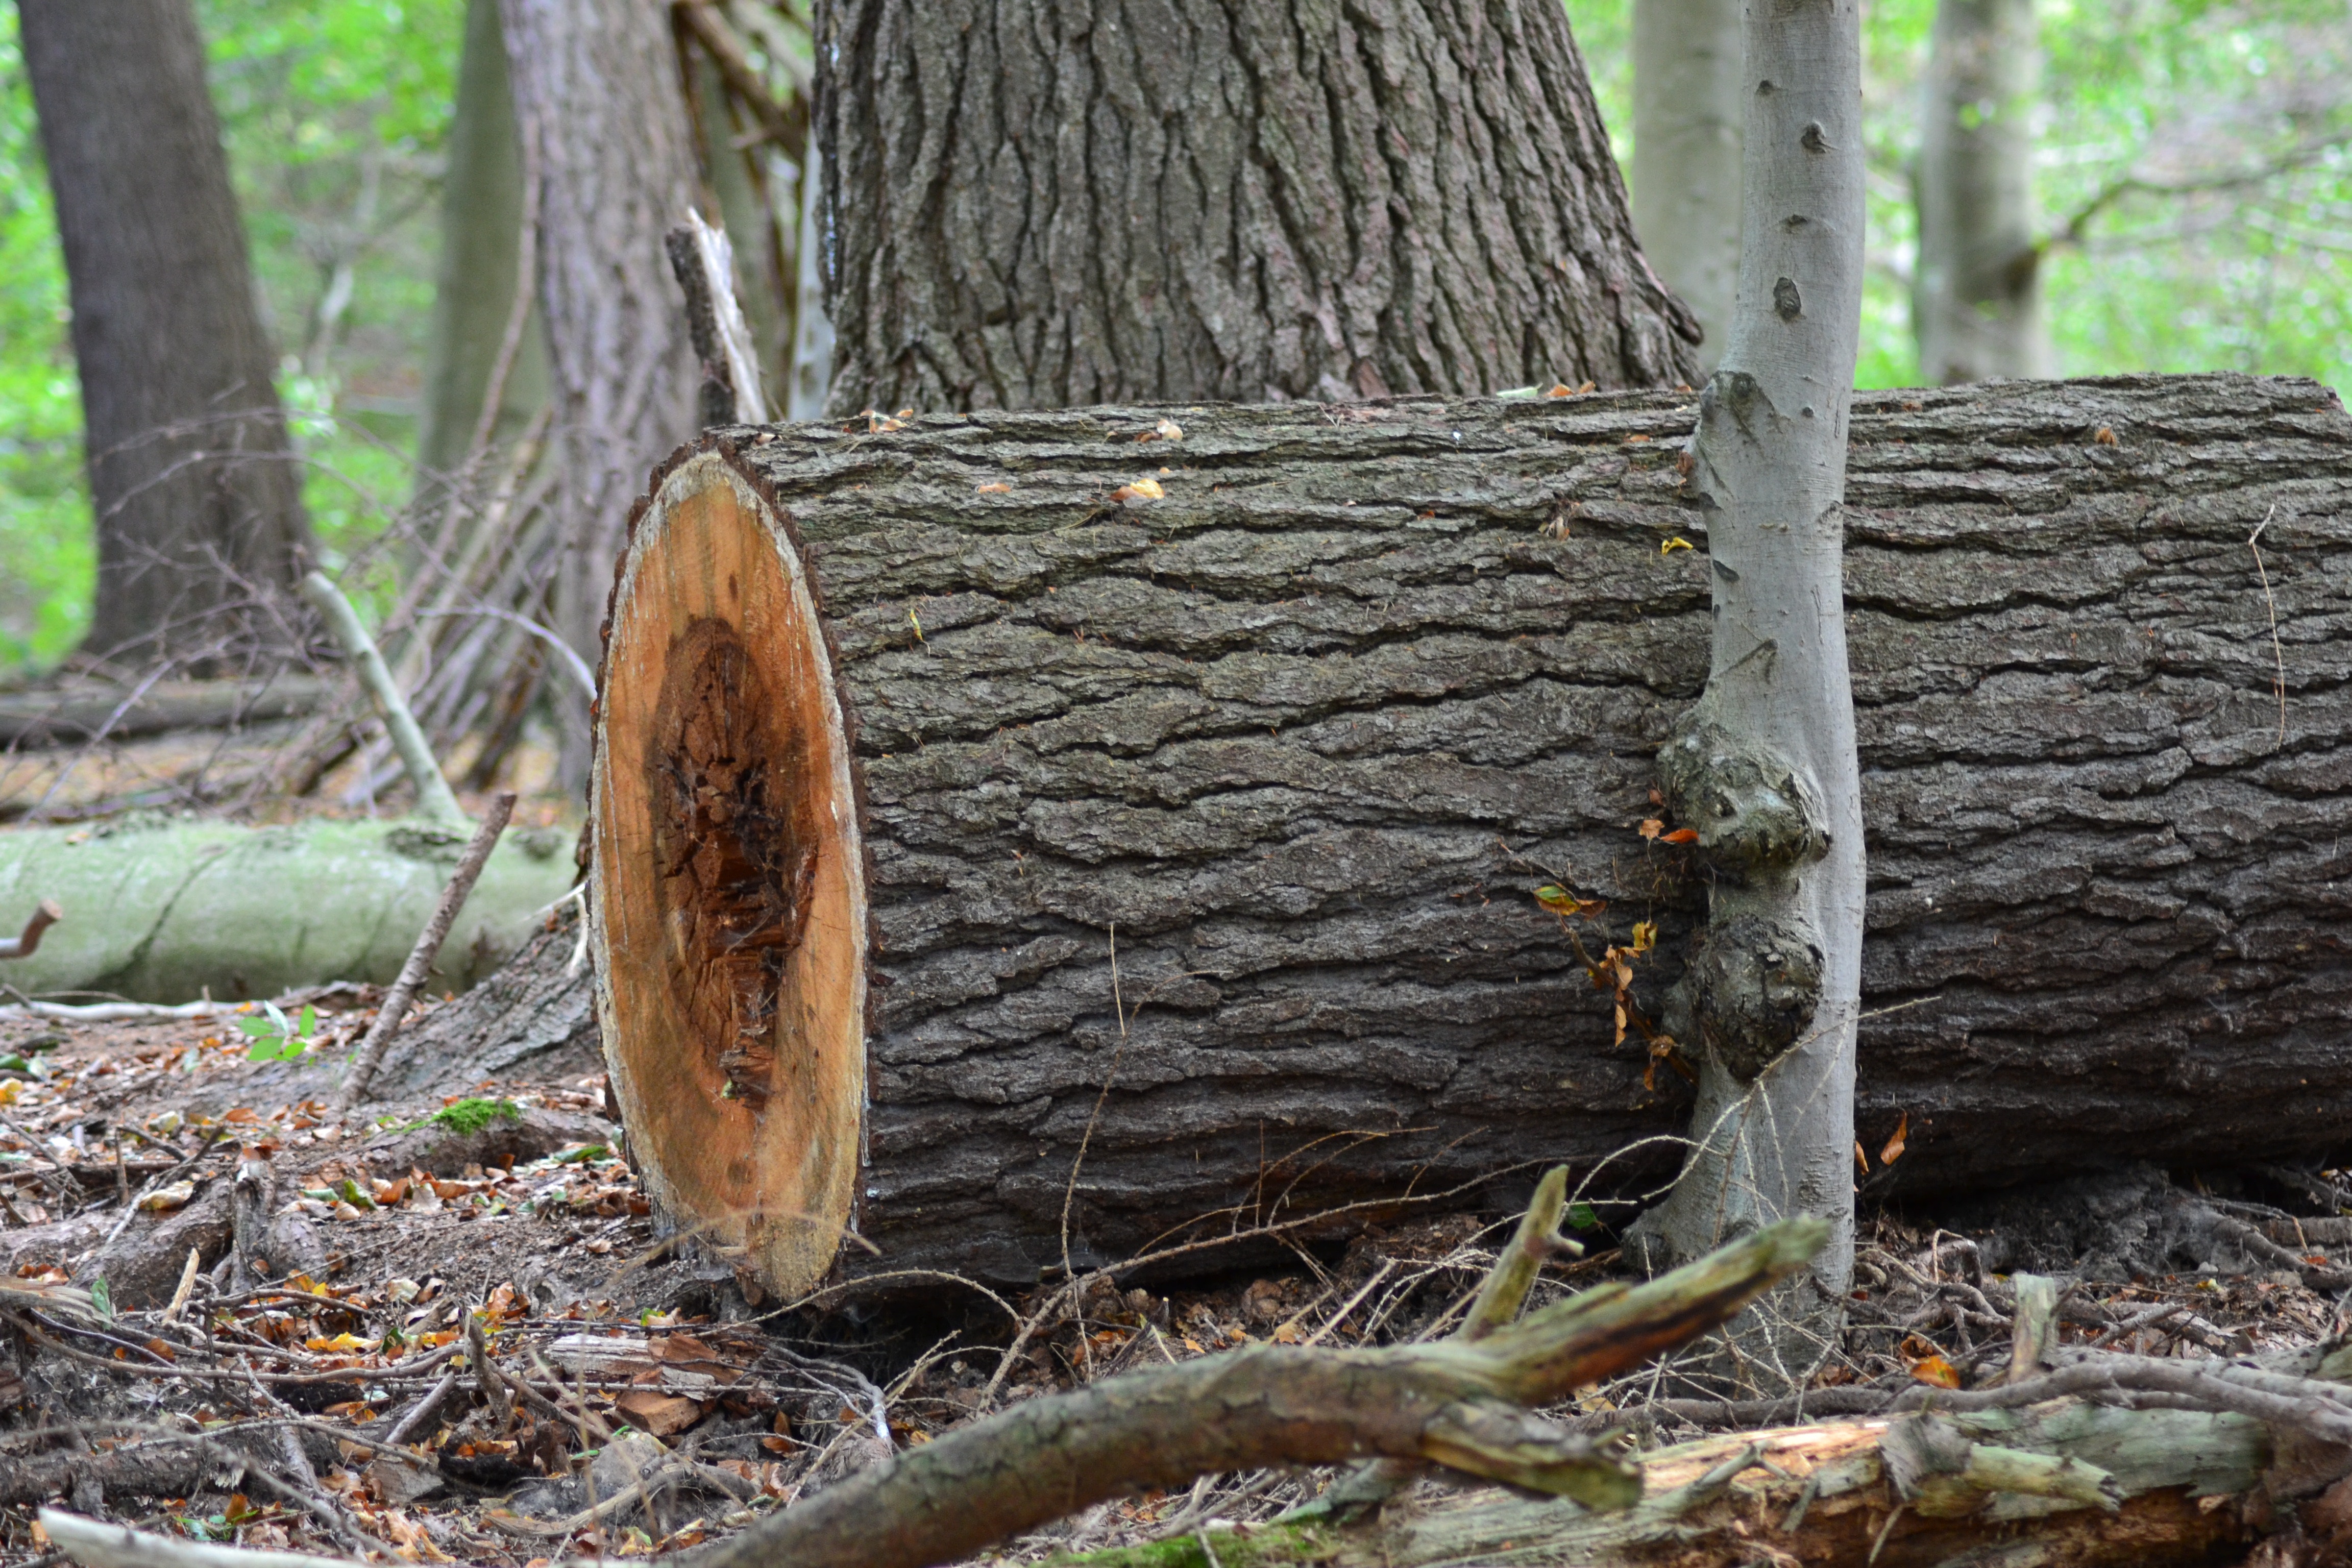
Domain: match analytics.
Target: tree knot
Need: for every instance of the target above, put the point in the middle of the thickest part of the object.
(1756, 811)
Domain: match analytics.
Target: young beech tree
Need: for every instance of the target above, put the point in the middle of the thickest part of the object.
(1976, 302)
(1039, 203)
(200, 522)
(1689, 105)
(1764, 765)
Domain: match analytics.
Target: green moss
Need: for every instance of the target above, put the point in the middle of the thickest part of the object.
(470, 1116)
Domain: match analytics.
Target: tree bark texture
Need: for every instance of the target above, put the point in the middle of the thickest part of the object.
(595, 88)
(200, 523)
(475, 294)
(1977, 304)
(1042, 205)
(1763, 767)
(1310, 729)
(1689, 111)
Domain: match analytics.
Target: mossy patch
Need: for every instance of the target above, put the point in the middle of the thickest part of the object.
(468, 1116)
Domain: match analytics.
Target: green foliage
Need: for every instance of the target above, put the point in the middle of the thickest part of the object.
(334, 114)
(45, 538)
(2247, 267)
(277, 1038)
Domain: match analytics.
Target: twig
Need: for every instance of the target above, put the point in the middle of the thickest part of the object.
(388, 1017)
(45, 914)
(2277, 653)
(433, 799)
(422, 1411)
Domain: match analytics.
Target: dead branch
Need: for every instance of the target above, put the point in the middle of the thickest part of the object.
(389, 1016)
(45, 915)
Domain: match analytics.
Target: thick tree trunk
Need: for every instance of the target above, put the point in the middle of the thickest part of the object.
(1689, 109)
(199, 525)
(595, 90)
(478, 336)
(1763, 768)
(1310, 729)
(1039, 205)
(1977, 303)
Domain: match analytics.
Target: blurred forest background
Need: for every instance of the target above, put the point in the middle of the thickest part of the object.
(2193, 172)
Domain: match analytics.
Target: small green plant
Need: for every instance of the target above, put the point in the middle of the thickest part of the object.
(277, 1038)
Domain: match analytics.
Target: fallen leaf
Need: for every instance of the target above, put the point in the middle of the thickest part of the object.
(1861, 1160)
(1170, 430)
(1668, 546)
(995, 490)
(2106, 437)
(1893, 1149)
(1651, 827)
(1631, 439)
(1937, 1371)
(659, 1413)
(1646, 935)
(1141, 490)
(162, 1200)
(1680, 836)
(1561, 901)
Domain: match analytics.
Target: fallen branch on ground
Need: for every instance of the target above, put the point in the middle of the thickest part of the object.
(389, 1016)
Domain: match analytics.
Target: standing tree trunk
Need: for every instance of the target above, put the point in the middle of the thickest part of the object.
(1764, 765)
(1041, 205)
(1977, 303)
(597, 90)
(201, 533)
(1688, 107)
(479, 285)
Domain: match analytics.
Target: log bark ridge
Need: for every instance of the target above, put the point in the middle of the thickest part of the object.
(1309, 728)
(1042, 205)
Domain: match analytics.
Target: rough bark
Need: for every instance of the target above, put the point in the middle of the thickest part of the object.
(200, 522)
(1689, 109)
(595, 87)
(1977, 304)
(1763, 767)
(474, 293)
(1311, 728)
(1041, 205)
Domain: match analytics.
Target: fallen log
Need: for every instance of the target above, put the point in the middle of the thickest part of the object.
(1173, 785)
(165, 912)
(75, 714)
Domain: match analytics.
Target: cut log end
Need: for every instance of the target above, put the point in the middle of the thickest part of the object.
(728, 845)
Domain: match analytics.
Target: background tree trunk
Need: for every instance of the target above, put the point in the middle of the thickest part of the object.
(1978, 302)
(595, 87)
(1041, 205)
(475, 296)
(1310, 730)
(1764, 767)
(1688, 109)
(200, 526)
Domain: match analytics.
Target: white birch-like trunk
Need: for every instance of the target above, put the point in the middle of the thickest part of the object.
(595, 86)
(1977, 296)
(1688, 109)
(1764, 765)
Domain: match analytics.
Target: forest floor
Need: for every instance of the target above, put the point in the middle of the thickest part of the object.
(639, 1404)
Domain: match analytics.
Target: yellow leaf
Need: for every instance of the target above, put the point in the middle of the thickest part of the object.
(1651, 827)
(1646, 935)
(163, 1199)
(339, 1342)
(1145, 489)
(1937, 1371)
(1561, 901)
(1861, 1160)
(1667, 547)
(1893, 1149)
